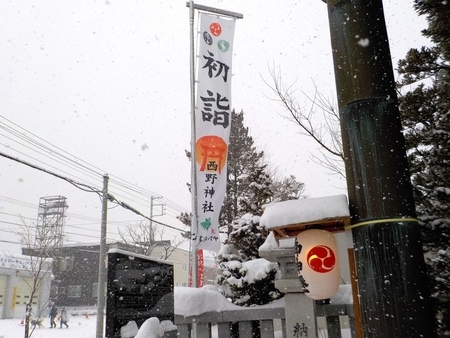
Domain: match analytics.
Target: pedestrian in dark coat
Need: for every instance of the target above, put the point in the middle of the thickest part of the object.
(53, 314)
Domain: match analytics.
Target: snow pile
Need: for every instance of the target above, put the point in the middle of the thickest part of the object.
(269, 244)
(245, 219)
(167, 325)
(256, 269)
(343, 296)
(130, 330)
(150, 329)
(195, 301)
(304, 210)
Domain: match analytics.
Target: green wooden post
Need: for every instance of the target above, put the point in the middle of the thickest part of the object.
(390, 266)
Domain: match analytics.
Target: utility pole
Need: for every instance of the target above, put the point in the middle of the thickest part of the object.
(390, 266)
(102, 261)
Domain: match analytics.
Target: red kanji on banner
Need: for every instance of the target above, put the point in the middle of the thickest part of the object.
(200, 270)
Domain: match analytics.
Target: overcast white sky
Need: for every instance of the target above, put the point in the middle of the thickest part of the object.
(108, 83)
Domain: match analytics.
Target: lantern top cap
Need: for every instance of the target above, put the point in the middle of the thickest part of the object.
(308, 210)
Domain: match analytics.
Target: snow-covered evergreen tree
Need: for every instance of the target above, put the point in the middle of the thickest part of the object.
(250, 187)
(425, 111)
(287, 189)
(242, 154)
(256, 190)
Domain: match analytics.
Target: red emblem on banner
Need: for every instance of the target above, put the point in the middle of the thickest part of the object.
(215, 29)
(321, 259)
(211, 153)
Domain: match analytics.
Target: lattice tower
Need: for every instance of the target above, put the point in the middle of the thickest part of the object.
(51, 221)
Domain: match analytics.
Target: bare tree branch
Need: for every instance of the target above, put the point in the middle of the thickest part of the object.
(148, 239)
(325, 133)
(41, 250)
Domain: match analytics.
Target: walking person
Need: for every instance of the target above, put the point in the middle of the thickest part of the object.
(53, 314)
(64, 318)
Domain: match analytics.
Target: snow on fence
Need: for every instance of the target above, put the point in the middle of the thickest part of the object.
(270, 323)
(219, 324)
(215, 317)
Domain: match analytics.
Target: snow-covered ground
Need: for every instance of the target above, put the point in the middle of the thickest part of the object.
(79, 327)
(189, 301)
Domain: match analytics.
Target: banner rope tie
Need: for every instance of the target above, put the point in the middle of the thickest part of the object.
(385, 220)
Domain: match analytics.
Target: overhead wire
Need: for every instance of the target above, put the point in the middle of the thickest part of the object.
(89, 189)
(148, 193)
(81, 186)
(112, 234)
(95, 220)
(113, 200)
(10, 242)
(85, 165)
(66, 226)
(48, 164)
(127, 206)
(44, 150)
(67, 161)
(65, 233)
(33, 166)
(51, 150)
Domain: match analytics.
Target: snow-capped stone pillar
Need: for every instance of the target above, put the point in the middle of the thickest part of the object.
(299, 309)
(286, 220)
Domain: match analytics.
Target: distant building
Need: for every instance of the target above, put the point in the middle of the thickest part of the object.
(75, 271)
(16, 277)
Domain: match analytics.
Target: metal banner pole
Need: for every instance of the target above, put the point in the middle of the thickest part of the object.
(194, 219)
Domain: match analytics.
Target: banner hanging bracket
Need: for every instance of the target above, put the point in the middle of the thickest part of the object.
(216, 10)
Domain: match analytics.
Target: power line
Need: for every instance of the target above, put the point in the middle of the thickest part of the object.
(126, 206)
(119, 187)
(51, 150)
(69, 215)
(81, 186)
(18, 233)
(18, 202)
(96, 221)
(74, 226)
(10, 242)
(88, 189)
(70, 165)
(69, 158)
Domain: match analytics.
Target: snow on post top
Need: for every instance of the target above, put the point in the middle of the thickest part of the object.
(304, 210)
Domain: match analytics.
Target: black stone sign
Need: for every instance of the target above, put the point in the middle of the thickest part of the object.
(138, 288)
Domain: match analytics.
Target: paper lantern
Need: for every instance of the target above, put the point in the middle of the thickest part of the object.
(317, 262)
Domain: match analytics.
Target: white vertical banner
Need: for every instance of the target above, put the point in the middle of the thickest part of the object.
(212, 124)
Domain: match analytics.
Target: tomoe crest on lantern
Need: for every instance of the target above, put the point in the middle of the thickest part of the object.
(318, 266)
(321, 259)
